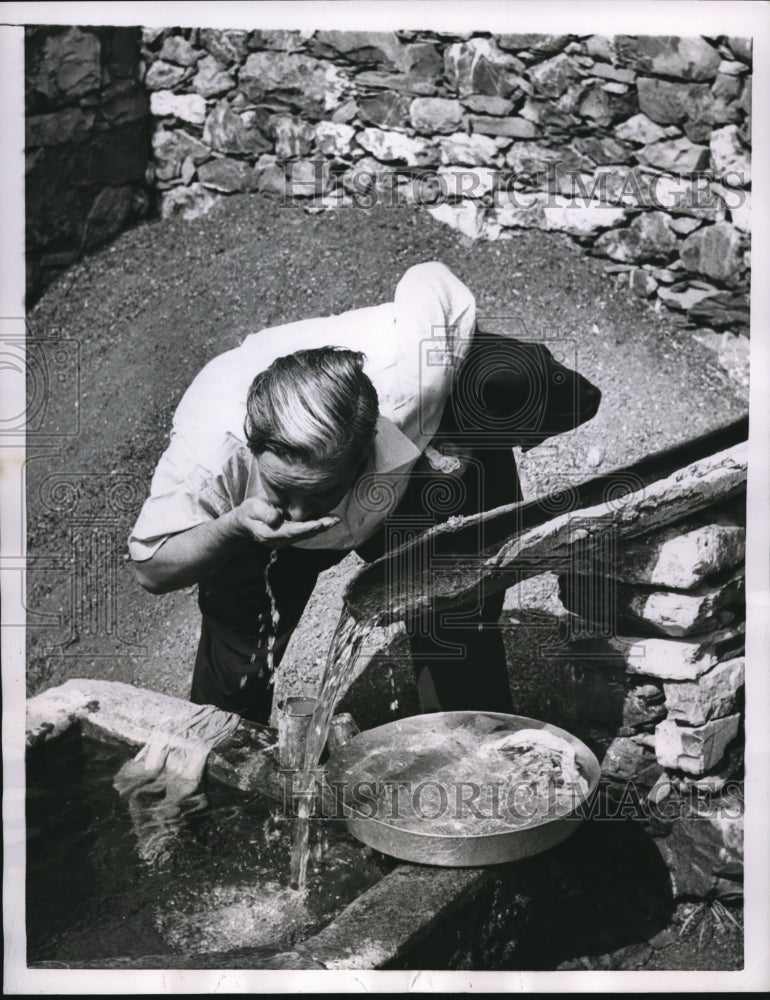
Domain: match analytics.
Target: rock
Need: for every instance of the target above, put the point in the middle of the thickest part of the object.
(307, 178)
(713, 695)
(693, 196)
(726, 87)
(487, 105)
(722, 310)
(392, 146)
(371, 183)
(714, 251)
(515, 128)
(730, 67)
(516, 210)
(684, 224)
(179, 51)
(690, 58)
(107, 215)
(228, 46)
(609, 72)
(171, 149)
(334, 138)
(681, 614)
(188, 170)
(212, 80)
(70, 66)
(733, 352)
(163, 76)
(536, 159)
(643, 705)
(683, 300)
(479, 67)
(186, 107)
(740, 48)
(534, 43)
(552, 77)
(667, 102)
(362, 46)
(189, 202)
(420, 60)
(694, 749)
(68, 125)
(435, 114)
(603, 106)
(683, 555)
(472, 150)
(280, 40)
(293, 138)
(675, 155)
(641, 282)
(678, 659)
(603, 149)
(226, 132)
(346, 112)
(704, 849)
(601, 47)
(730, 161)
(628, 760)
(648, 237)
(125, 101)
(461, 182)
(385, 110)
(580, 219)
(308, 83)
(227, 175)
(468, 217)
(398, 82)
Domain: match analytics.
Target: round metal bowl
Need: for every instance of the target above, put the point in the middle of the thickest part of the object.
(419, 752)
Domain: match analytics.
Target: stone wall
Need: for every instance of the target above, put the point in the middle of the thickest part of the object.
(636, 147)
(87, 143)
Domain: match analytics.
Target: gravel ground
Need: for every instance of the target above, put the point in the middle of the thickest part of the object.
(149, 311)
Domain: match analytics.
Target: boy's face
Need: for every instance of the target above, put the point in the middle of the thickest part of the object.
(303, 492)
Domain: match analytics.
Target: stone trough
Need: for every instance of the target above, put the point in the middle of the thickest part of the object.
(458, 917)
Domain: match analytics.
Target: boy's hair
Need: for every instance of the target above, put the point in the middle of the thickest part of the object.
(314, 406)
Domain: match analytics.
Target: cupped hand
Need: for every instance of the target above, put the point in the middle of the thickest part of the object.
(264, 523)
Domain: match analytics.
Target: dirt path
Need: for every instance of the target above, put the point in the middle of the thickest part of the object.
(148, 312)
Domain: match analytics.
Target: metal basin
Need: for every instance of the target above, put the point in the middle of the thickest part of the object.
(388, 785)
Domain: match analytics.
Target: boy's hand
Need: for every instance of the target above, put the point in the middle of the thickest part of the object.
(262, 522)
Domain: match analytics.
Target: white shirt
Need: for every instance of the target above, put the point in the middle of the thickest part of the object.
(413, 347)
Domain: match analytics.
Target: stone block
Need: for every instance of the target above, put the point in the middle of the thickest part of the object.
(679, 659)
(514, 128)
(334, 138)
(164, 76)
(552, 77)
(603, 149)
(393, 146)
(479, 67)
(681, 556)
(69, 67)
(648, 237)
(171, 148)
(690, 58)
(643, 705)
(704, 849)
(675, 156)
(484, 104)
(694, 749)
(468, 217)
(308, 83)
(227, 45)
(68, 125)
(669, 103)
(307, 178)
(579, 219)
(712, 696)
(293, 137)
(125, 101)
(361, 46)
(227, 175)
(626, 759)
(188, 202)
(640, 129)
(714, 251)
(176, 49)
(435, 114)
(731, 162)
(228, 132)
(186, 107)
(385, 110)
(466, 182)
(212, 80)
(545, 44)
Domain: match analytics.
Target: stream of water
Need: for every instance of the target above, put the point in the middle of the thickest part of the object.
(349, 637)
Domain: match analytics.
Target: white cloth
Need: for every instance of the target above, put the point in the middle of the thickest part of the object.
(413, 347)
